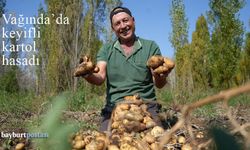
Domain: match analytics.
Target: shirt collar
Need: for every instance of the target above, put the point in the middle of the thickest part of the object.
(137, 45)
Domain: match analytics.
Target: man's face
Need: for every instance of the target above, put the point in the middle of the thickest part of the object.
(124, 26)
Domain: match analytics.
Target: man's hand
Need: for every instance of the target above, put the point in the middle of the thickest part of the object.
(160, 65)
(160, 74)
(85, 67)
(160, 68)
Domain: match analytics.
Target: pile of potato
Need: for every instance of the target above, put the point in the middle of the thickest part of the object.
(131, 128)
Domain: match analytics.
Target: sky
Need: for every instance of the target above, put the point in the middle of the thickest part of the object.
(151, 17)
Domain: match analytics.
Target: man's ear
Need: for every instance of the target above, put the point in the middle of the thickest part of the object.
(133, 19)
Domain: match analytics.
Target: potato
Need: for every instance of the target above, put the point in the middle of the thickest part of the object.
(155, 61)
(154, 146)
(88, 139)
(100, 145)
(86, 66)
(141, 145)
(123, 106)
(147, 119)
(104, 139)
(173, 140)
(169, 63)
(91, 146)
(160, 64)
(161, 70)
(20, 146)
(79, 144)
(157, 131)
(115, 138)
(135, 108)
(149, 138)
(113, 147)
(119, 115)
(133, 116)
(132, 98)
(181, 140)
(126, 139)
(78, 137)
(115, 124)
(200, 135)
(150, 124)
(186, 147)
(126, 146)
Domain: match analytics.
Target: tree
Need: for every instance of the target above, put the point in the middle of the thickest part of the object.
(43, 54)
(245, 62)
(179, 40)
(9, 80)
(2, 5)
(61, 45)
(227, 37)
(200, 48)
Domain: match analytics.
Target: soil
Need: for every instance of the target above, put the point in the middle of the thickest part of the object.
(9, 122)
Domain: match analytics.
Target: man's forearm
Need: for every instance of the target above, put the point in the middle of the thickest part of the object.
(95, 78)
(160, 81)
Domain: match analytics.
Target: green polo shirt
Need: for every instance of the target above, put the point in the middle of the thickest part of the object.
(128, 75)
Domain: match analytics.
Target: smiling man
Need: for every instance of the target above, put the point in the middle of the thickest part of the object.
(122, 64)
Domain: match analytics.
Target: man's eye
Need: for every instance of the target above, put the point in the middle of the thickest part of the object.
(125, 20)
(117, 24)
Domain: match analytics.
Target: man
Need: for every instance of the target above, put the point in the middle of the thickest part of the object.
(123, 64)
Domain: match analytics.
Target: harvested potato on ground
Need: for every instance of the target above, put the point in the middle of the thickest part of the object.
(141, 145)
(131, 128)
(123, 106)
(132, 98)
(154, 146)
(79, 144)
(181, 140)
(85, 67)
(20, 146)
(186, 147)
(113, 147)
(149, 138)
(126, 146)
(157, 131)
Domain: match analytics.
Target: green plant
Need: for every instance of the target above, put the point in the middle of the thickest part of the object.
(52, 125)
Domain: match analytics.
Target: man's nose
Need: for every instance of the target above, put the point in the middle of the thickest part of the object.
(123, 25)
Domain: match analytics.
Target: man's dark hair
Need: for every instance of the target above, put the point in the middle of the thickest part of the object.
(117, 10)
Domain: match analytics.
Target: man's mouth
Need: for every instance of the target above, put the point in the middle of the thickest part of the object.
(125, 31)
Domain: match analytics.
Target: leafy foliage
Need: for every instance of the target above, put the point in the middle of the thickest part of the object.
(226, 40)
(200, 48)
(58, 133)
(244, 69)
(179, 40)
(2, 5)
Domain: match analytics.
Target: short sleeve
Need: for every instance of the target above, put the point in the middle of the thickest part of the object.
(155, 50)
(102, 55)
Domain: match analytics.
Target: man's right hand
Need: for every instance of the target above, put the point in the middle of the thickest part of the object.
(85, 67)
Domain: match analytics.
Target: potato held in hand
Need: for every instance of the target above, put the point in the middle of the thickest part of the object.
(85, 67)
(155, 61)
(160, 65)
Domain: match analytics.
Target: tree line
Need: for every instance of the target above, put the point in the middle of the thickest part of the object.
(218, 56)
